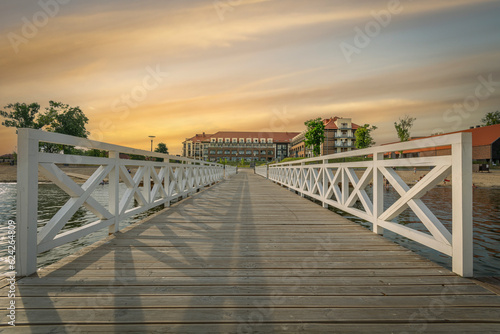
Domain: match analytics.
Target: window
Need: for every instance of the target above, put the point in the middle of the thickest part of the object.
(249, 140)
(227, 152)
(262, 152)
(270, 140)
(270, 152)
(242, 152)
(234, 152)
(256, 140)
(228, 140)
(263, 140)
(255, 152)
(220, 140)
(212, 152)
(219, 152)
(249, 152)
(235, 140)
(212, 140)
(242, 140)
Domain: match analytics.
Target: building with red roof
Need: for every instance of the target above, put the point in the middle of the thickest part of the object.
(193, 147)
(237, 145)
(339, 137)
(485, 145)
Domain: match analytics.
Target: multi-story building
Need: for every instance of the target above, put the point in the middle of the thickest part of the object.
(250, 146)
(298, 148)
(234, 146)
(339, 137)
(194, 147)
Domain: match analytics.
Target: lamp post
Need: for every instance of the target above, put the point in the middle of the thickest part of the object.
(152, 142)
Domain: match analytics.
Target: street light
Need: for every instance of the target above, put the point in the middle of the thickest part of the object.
(152, 142)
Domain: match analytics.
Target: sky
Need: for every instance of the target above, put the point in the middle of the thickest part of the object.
(176, 68)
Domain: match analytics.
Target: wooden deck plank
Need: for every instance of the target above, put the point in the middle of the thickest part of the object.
(269, 314)
(285, 327)
(249, 256)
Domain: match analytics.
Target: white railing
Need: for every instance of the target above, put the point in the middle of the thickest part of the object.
(261, 170)
(329, 182)
(153, 183)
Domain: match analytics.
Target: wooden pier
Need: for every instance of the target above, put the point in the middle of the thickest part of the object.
(249, 256)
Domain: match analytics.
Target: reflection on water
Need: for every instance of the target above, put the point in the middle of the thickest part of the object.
(486, 203)
(50, 200)
(486, 216)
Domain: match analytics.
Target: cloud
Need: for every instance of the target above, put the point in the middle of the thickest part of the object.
(233, 74)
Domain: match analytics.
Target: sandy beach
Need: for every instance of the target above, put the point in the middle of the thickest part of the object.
(492, 179)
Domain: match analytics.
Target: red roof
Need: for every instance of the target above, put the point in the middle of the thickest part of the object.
(482, 136)
(330, 123)
(278, 137)
(199, 138)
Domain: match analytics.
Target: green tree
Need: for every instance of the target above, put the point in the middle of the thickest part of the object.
(62, 118)
(491, 118)
(315, 135)
(58, 117)
(161, 148)
(21, 115)
(403, 127)
(363, 136)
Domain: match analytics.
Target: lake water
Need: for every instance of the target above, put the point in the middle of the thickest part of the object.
(486, 217)
(50, 200)
(486, 204)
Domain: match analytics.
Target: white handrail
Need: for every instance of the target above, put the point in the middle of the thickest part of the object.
(329, 182)
(261, 170)
(154, 183)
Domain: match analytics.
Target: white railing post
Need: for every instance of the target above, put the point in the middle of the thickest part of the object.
(324, 189)
(146, 185)
(27, 204)
(378, 192)
(113, 195)
(303, 179)
(462, 259)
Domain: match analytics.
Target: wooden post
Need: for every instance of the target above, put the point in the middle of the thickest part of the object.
(113, 189)
(27, 204)
(462, 259)
(378, 192)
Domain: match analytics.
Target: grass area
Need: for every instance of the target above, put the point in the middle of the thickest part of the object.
(245, 164)
(291, 159)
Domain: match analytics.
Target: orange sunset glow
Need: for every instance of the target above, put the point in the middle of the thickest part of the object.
(176, 68)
